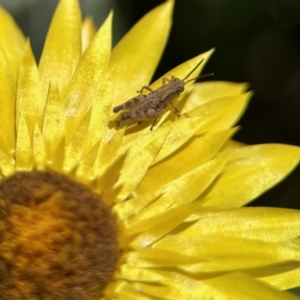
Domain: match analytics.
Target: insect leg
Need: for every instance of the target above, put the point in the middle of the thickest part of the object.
(130, 103)
(177, 111)
(153, 123)
(145, 87)
(156, 114)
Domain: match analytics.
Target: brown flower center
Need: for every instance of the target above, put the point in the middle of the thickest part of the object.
(58, 240)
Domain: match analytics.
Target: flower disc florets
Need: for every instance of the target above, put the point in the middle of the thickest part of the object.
(58, 240)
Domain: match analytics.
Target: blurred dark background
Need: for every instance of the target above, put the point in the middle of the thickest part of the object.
(257, 41)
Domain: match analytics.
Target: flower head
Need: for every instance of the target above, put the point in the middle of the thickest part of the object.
(90, 210)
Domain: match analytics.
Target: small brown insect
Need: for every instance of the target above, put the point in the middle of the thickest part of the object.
(153, 105)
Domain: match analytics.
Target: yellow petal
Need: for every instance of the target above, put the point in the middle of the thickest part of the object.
(108, 160)
(145, 138)
(62, 49)
(155, 227)
(88, 31)
(185, 188)
(126, 291)
(236, 254)
(39, 149)
(149, 258)
(230, 286)
(53, 122)
(7, 104)
(265, 224)
(209, 90)
(196, 153)
(7, 164)
(243, 287)
(84, 171)
(132, 273)
(180, 132)
(24, 155)
(132, 58)
(29, 102)
(83, 88)
(185, 129)
(58, 156)
(174, 286)
(74, 149)
(136, 165)
(285, 275)
(125, 209)
(220, 113)
(172, 216)
(232, 144)
(12, 41)
(251, 171)
(101, 108)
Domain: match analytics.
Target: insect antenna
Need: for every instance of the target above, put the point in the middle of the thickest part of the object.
(188, 75)
(198, 77)
(201, 76)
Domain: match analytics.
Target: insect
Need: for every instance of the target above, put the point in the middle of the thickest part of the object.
(153, 105)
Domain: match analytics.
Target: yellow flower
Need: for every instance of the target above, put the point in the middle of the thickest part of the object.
(90, 210)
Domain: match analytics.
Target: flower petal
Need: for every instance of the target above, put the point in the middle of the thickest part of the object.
(12, 41)
(136, 224)
(227, 254)
(189, 186)
(74, 149)
(232, 144)
(126, 209)
(62, 49)
(83, 88)
(180, 132)
(7, 104)
(236, 254)
(24, 155)
(243, 287)
(155, 227)
(149, 258)
(106, 160)
(101, 109)
(221, 113)
(285, 277)
(126, 291)
(135, 166)
(131, 58)
(209, 90)
(132, 273)
(251, 171)
(7, 164)
(39, 149)
(196, 153)
(29, 102)
(259, 223)
(230, 286)
(88, 31)
(53, 122)
(185, 129)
